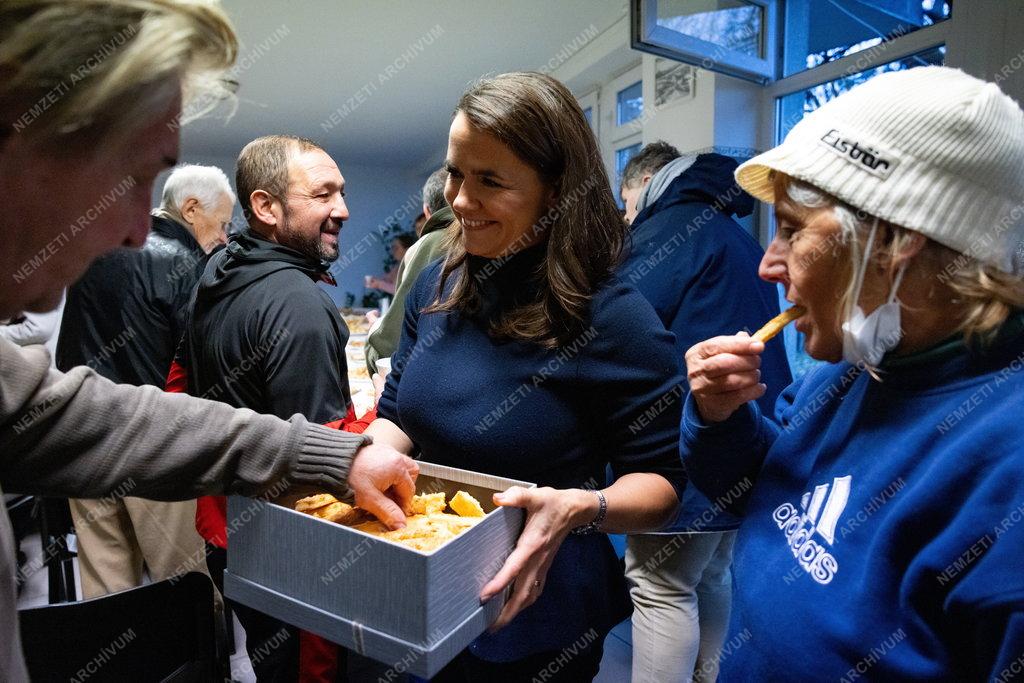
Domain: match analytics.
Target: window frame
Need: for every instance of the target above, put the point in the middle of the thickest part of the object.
(612, 137)
(592, 101)
(771, 122)
(889, 51)
(647, 36)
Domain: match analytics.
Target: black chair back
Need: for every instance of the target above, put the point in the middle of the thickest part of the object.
(55, 524)
(162, 632)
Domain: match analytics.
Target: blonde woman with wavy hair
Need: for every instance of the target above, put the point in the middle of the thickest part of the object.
(91, 98)
(90, 101)
(883, 496)
(980, 296)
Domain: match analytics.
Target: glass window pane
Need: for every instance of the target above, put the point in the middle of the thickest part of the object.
(629, 104)
(798, 104)
(733, 24)
(588, 114)
(622, 157)
(820, 31)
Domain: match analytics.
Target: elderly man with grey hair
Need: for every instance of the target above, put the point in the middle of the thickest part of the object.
(200, 199)
(139, 298)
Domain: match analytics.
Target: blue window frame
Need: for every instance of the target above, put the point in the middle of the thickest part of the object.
(822, 31)
(629, 104)
(734, 37)
(622, 157)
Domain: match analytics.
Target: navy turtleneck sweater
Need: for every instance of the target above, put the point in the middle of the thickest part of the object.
(555, 417)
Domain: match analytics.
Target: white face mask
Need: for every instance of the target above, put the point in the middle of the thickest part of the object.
(867, 338)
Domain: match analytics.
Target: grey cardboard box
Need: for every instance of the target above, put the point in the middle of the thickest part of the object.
(411, 610)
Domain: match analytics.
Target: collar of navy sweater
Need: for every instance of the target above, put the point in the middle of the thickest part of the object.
(507, 281)
(956, 357)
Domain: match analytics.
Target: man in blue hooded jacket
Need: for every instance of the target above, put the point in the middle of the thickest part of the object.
(698, 268)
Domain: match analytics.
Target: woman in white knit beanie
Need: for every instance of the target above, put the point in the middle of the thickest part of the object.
(884, 499)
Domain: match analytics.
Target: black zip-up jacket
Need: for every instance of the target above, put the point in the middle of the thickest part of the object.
(262, 335)
(125, 316)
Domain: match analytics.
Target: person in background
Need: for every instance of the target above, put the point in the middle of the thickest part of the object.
(526, 307)
(421, 220)
(189, 198)
(386, 283)
(27, 329)
(383, 338)
(259, 298)
(881, 532)
(703, 282)
(124, 319)
(95, 151)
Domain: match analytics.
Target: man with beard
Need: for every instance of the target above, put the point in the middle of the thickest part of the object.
(262, 335)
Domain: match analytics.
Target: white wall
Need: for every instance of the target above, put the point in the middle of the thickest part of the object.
(736, 107)
(686, 124)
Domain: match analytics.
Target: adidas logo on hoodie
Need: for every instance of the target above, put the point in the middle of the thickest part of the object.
(811, 530)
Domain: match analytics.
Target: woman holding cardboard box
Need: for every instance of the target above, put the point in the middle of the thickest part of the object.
(519, 358)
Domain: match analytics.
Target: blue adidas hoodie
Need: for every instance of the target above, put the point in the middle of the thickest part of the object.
(698, 269)
(884, 528)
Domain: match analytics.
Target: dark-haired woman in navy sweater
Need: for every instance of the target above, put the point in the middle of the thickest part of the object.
(522, 355)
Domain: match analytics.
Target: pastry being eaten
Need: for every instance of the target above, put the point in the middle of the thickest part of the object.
(771, 328)
(428, 528)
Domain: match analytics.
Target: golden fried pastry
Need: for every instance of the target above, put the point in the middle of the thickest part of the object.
(466, 505)
(428, 503)
(340, 513)
(357, 324)
(429, 526)
(310, 503)
(775, 325)
(422, 532)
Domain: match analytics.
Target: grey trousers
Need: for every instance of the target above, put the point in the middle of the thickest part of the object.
(681, 586)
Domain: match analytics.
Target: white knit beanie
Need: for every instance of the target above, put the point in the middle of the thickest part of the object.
(930, 148)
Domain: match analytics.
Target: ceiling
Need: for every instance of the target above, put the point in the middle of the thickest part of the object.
(376, 82)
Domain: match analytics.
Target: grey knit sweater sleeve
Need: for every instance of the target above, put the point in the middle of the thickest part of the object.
(80, 435)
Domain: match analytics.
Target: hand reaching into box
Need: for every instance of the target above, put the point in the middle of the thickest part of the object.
(384, 482)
